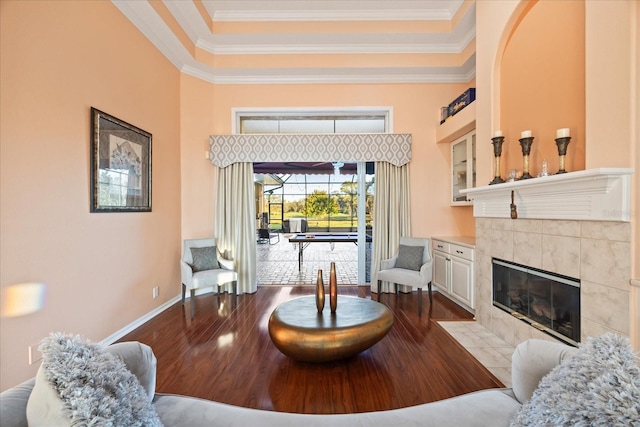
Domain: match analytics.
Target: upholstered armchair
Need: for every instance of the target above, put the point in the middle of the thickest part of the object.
(412, 265)
(202, 266)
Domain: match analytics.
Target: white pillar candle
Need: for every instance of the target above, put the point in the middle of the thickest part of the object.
(497, 133)
(525, 134)
(563, 133)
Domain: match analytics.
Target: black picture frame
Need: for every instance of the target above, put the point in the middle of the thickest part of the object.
(120, 165)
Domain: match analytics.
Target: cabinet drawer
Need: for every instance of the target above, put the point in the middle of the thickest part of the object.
(439, 245)
(461, 251)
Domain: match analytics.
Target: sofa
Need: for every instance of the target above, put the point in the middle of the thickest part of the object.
(531, 361)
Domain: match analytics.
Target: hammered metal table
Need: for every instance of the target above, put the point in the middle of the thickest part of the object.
(300, 332)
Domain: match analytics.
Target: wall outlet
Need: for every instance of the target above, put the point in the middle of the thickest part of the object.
(34, 354)
(156, 292)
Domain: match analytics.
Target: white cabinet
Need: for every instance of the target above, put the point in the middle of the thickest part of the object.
(463, 167)
(453, 269)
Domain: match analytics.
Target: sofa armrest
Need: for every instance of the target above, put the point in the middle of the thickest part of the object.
(532, 360)
(13, 404)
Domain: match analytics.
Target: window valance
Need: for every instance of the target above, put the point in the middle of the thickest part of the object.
(360, 147)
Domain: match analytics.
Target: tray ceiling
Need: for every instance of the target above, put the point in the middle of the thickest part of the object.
(307, 41)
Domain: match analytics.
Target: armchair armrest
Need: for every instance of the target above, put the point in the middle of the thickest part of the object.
(387, 264)
(226, 264)
(186, 274)
(426, 270)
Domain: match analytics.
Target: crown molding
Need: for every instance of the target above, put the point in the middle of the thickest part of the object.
(342, 11)
(146, 19)
(331, 15)
(461, 74)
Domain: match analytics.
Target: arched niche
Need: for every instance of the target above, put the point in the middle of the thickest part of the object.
(539, 75)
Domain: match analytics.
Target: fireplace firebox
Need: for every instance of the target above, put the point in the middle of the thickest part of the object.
(547, 301)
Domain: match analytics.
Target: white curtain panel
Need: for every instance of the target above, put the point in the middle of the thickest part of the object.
(235, 221)
(391, 217)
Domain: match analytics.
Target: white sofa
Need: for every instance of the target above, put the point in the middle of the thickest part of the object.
(496, 407)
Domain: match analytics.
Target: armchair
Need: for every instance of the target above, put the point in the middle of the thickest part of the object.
(202, 266)
(409, 266)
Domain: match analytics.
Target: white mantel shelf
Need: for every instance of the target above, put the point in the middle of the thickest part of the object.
(602, 194)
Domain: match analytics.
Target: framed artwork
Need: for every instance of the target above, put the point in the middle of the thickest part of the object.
(120, 165)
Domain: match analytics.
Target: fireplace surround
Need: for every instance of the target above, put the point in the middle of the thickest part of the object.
(575, 225)
(547, 301)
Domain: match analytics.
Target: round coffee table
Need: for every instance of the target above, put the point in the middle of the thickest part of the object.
(300, 332)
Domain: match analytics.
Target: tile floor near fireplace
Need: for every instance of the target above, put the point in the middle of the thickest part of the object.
(492, 352)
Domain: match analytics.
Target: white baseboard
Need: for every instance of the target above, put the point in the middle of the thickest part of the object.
(140, 321)
(153, 313)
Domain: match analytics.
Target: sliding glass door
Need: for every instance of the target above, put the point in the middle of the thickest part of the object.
(327, 197)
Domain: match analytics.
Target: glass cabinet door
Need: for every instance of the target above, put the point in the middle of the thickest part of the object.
(463, 167)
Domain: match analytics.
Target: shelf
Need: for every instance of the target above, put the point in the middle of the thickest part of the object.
(590, 195)
(458, 125)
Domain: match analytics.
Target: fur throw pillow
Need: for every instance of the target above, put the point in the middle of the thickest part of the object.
(598, 386)
(95, 387)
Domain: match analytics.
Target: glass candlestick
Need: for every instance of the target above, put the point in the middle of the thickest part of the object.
(497, 152)
(562, 144)
(526, 143)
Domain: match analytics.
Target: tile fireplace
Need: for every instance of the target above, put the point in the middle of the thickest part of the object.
(573, 226)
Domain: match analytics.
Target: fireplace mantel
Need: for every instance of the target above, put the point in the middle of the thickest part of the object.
(602, 194)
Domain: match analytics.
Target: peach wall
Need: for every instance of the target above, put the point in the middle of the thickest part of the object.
(415, 110)
(608, 80)
(610, 123)
(57, 61)
(198, 118)
(542, 85)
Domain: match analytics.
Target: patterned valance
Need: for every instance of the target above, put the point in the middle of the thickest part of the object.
(359, 147)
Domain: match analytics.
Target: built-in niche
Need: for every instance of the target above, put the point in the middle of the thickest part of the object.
(542, 85)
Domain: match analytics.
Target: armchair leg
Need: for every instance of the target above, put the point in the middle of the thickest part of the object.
(419, 302)
(235, 292)
(184, 291)
(379, 289)
(193, 302)
(430, 296)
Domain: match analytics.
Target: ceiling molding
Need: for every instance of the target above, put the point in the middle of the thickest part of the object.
(332, 10)
(265, 44)
(462, 74)
(331, 15)
(333, 49)
(147, 20)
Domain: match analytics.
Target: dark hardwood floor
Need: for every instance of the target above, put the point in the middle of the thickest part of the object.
(225, 354)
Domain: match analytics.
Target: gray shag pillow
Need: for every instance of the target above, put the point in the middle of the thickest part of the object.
(598, 386)
(81, 384)
(410, 257)
(204, 259)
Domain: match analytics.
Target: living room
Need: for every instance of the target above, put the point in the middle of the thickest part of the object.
(59, 59)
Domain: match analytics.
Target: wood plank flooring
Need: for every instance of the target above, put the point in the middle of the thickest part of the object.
(225, 354)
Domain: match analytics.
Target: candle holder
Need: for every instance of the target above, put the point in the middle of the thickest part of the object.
(526, 143)
(497, 152)
(562, 144)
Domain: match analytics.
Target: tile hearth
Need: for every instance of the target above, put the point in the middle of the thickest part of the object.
(492, 352)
